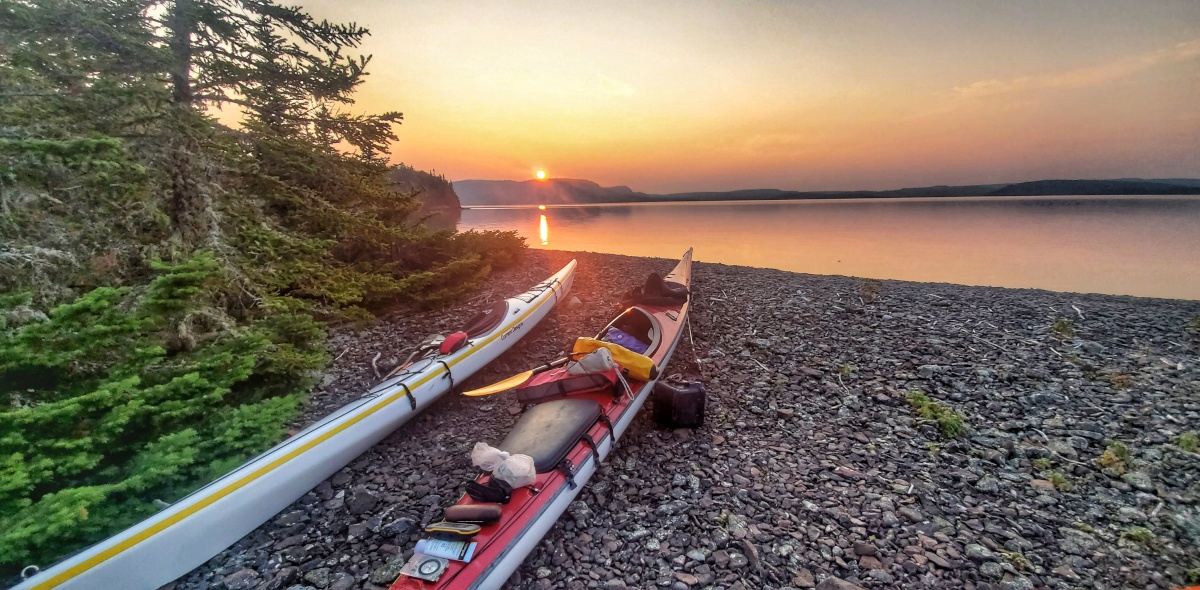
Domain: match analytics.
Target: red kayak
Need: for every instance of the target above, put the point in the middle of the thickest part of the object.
(567, 438)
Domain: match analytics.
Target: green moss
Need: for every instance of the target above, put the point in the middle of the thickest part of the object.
(1083, 526)
(1138, 534)
(1116, 457)
(1060, 482)
(950, 423)
(1042, 463)
(1018, 560)
(1187, 441)
(1063, 328)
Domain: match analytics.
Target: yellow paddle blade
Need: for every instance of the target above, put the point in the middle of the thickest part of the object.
(500, 386)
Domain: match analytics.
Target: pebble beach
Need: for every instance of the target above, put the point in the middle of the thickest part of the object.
(860, 433)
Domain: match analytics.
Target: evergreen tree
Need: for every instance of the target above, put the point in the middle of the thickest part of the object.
(70, 67)
(146, 379)
(289, 71)
(123, 398)
(290, 74)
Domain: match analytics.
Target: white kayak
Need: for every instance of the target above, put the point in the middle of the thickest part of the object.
(191, 531)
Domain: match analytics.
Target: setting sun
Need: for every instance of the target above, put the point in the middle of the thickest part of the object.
(541, 175)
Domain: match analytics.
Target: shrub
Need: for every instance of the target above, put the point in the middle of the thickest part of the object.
(869, 291)
(131, 396)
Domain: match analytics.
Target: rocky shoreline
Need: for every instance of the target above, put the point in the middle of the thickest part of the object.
(1074, 469)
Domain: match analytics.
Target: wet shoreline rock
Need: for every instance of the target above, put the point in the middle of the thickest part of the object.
(813, 469)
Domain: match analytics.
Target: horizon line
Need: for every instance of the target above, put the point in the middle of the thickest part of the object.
(786, 190)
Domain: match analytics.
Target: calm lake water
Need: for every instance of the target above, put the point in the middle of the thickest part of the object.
(1146, 246)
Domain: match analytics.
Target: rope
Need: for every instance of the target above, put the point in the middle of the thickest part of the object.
(692, 341)
(628, 389)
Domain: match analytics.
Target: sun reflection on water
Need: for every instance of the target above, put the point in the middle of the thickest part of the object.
(544, 231)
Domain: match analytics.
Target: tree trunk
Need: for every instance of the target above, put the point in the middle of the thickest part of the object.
(185, 207)
(182, 24)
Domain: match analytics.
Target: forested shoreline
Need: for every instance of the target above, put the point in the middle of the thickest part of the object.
(165, 280)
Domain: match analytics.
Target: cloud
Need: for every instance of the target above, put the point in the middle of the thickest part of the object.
(613, 86)
(1085, 76)
(774, 143)
(780, 144)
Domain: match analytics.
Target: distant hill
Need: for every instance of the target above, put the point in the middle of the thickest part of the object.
(435, 192)
(771, 194)
(554, 191)
(756, 194)
(1095, 187)
(564, 191)
(1179, 181)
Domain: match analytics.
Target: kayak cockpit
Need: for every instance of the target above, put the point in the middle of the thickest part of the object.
(637, 323)
(486, 320)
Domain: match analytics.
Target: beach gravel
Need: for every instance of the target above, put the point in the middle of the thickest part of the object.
(813, 468)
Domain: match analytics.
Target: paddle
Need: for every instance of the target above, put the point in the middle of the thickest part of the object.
(515, 380)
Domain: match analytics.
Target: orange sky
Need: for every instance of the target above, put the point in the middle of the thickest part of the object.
(681, 96)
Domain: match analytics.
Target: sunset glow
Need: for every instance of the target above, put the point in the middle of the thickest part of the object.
(681, 96)
(541, 175)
